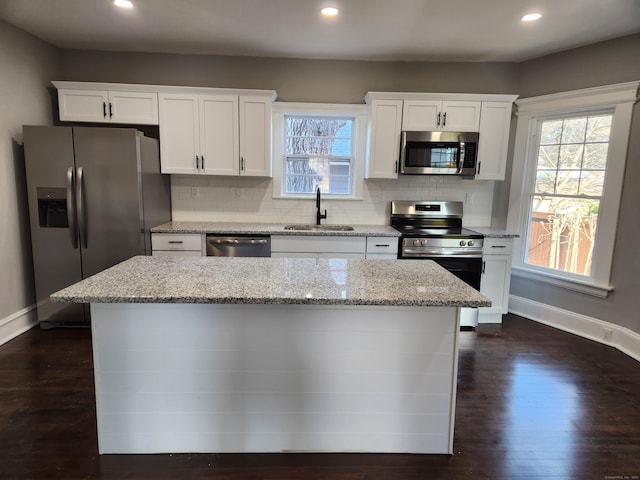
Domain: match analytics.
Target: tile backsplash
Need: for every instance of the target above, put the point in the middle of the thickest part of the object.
(250, 199)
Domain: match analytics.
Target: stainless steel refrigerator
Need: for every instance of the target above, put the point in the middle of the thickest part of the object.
(94, 194)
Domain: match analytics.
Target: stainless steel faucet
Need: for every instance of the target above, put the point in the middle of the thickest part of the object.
(319, 216)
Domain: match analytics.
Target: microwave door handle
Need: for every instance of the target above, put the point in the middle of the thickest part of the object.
(461, 160)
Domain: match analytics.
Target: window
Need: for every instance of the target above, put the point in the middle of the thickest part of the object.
(318, 145)
(567, 191)
(318, 152)
(568, 169)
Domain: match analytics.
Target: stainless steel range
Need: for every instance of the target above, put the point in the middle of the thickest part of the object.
(433, 231)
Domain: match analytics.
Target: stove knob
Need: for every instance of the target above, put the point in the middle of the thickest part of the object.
(462, 243)
(416, 243)
(470, 243)
(424, 242)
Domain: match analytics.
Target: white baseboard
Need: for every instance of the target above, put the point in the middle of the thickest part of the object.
(17, 323)
(625, 340)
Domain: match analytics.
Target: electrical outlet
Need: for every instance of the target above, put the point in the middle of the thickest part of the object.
(607, 334)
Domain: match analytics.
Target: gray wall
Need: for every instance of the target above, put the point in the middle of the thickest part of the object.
(605, 63)
(27, 66)
(324, 81)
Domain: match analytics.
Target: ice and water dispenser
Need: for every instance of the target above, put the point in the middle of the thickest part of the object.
(52, 207)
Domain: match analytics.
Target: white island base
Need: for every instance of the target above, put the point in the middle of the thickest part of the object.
(274, 378)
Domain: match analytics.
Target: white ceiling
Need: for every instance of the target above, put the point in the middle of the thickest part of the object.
(409, 30)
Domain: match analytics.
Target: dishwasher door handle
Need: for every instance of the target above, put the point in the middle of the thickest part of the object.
(237, 241)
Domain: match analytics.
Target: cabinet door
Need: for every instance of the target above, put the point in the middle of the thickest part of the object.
(495, 282)
(494, 140)
(385, 125)
(83, 105)
(179, 134)
(422, 115)
(460, 116)
(255, 136)
(219, 134)
(133, 107)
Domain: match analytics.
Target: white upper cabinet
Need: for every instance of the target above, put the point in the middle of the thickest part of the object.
(179, 133)
(383, 146)
(255, 136)
(494, 140)
(444, 115)
(78, 102)
(217, 134)
(392, 112)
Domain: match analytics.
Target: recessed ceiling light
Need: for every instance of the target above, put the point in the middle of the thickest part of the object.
(123, 3)
(329, 12)
(531, 17)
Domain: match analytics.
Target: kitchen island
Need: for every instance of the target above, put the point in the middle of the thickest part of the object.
(274, 354)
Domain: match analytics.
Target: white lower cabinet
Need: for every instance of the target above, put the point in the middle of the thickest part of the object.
(496, 278)
(382, 248)
(318, 246)
(177, 244)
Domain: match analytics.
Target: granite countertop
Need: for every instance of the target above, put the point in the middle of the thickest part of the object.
(490, 232)
(147, 279)
(270, 229)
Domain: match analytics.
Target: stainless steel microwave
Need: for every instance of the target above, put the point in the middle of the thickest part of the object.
(439, 153)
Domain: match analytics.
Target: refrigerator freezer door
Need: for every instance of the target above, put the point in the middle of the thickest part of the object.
(109, 194)
(56, 262)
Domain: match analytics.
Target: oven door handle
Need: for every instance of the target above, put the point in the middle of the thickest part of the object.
(421, 252)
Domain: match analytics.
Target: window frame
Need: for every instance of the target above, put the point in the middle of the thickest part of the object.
(359, 114)
(615, 99)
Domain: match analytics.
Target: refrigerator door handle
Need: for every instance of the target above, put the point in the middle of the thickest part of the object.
(71, 207)
(82, 214)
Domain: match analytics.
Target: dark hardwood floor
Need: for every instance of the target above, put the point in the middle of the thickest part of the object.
(533, 403)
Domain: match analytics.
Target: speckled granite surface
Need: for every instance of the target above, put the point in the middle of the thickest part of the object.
(489, 232)
(147, 279)
(270, 229)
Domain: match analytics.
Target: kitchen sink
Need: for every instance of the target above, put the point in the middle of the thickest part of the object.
(320, 228)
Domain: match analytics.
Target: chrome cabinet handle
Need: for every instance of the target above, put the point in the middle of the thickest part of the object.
(82, 213)
(71, 207)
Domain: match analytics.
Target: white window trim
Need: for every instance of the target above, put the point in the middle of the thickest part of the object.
(359, 133)
(618, 99)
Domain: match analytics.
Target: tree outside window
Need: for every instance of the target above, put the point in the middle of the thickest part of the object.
(318, 152)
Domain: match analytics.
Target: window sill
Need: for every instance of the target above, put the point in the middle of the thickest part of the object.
(596, 290)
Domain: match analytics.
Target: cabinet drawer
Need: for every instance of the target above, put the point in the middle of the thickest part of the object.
(386, 245)
(176, 253)
(317, 244)
(174, 241)
(497, 246)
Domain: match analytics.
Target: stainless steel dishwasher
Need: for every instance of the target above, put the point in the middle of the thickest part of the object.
(239, 246)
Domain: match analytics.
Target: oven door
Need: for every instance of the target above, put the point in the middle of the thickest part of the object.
(467, 269)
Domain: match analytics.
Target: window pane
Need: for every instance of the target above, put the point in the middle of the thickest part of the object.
(551, 132)
(595, 156)
(548, 156)
(591, 183)
(545, 181)
(340, 174)
(567, 182)
(300, 176)
(599, 129)
(573, 130)
(571, 156)
(562, 233)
